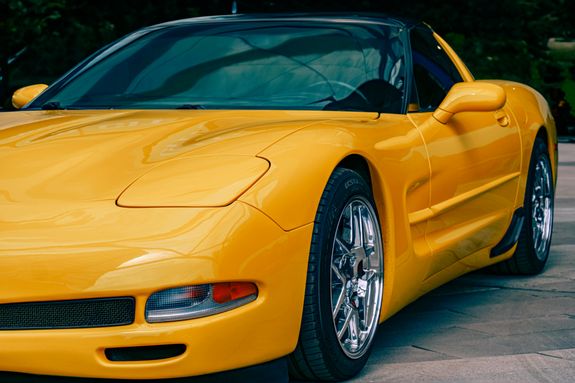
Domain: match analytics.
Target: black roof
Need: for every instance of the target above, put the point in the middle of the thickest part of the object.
(347, 17)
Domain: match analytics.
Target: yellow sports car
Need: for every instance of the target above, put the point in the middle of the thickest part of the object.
(215, 193)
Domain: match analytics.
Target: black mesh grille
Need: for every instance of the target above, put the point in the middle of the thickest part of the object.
(83, 313)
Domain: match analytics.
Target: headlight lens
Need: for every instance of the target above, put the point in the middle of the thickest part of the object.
(196, 181)
(198, 301)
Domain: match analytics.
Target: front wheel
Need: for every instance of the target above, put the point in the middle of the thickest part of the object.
(344, 283)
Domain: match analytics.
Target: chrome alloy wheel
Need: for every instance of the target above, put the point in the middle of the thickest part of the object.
(356, 277)
(542, 208)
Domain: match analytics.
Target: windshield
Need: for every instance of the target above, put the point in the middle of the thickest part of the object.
(242, 65)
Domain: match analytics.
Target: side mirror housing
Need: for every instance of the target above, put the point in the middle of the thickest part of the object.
(24, 95)
(470, 97)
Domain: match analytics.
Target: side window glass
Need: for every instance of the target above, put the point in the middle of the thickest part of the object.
(433, 71)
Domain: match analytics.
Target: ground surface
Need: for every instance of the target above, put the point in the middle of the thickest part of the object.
(487, 328)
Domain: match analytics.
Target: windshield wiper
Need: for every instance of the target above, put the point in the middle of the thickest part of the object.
(325, 99)
(191, 106)
(53, 105)
(56, 105)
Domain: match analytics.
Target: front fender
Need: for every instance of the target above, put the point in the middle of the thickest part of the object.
(301, 164)
(291, 190)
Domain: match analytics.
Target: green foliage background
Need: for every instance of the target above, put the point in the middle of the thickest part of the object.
(41, 39)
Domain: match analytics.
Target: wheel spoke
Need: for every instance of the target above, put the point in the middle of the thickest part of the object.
(338, 274)
(350, 224)
(339, 302)
(345, 326)
(357, 227)
(354, 328)
(369, 253)
(368, 307)
(369, 232)
(342, 245)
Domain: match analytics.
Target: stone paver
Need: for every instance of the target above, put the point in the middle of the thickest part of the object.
(525, 368)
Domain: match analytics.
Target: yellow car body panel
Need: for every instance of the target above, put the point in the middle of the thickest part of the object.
(72, 184)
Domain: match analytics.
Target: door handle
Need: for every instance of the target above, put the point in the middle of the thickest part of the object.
(502, 117)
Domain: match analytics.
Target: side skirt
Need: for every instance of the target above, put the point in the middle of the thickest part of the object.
(511, 235)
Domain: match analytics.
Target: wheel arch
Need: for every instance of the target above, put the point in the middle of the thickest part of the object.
(537, 122)
(534, 118)
(357, 163)
(536, 129)
(367, 170)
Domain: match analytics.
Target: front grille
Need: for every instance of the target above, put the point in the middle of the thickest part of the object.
(84, 313)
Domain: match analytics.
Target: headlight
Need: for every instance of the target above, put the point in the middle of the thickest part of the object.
(197, 181)
(198, 301)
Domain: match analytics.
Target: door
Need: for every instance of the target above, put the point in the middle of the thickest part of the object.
(474, 160)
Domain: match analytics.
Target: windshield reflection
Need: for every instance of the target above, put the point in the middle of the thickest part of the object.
(255, 65)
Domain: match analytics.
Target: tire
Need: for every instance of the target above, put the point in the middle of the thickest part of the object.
(535, 239)
(339, 324)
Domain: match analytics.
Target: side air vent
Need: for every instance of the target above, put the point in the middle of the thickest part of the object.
(133, 354)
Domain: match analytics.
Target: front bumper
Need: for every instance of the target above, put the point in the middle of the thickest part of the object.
(275, 371)
(101, 250)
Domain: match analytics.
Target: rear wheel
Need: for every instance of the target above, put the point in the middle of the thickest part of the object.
(535, 239)
(344, 283)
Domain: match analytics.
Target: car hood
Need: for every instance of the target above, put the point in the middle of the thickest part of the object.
(95, 155)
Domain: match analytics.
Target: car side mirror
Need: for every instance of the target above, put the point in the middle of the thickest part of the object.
(24, 95)
(472, 96)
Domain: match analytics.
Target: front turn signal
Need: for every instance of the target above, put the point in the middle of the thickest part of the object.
(197, 301)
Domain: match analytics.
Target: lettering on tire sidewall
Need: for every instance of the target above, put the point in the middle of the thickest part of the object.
(350, 183)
